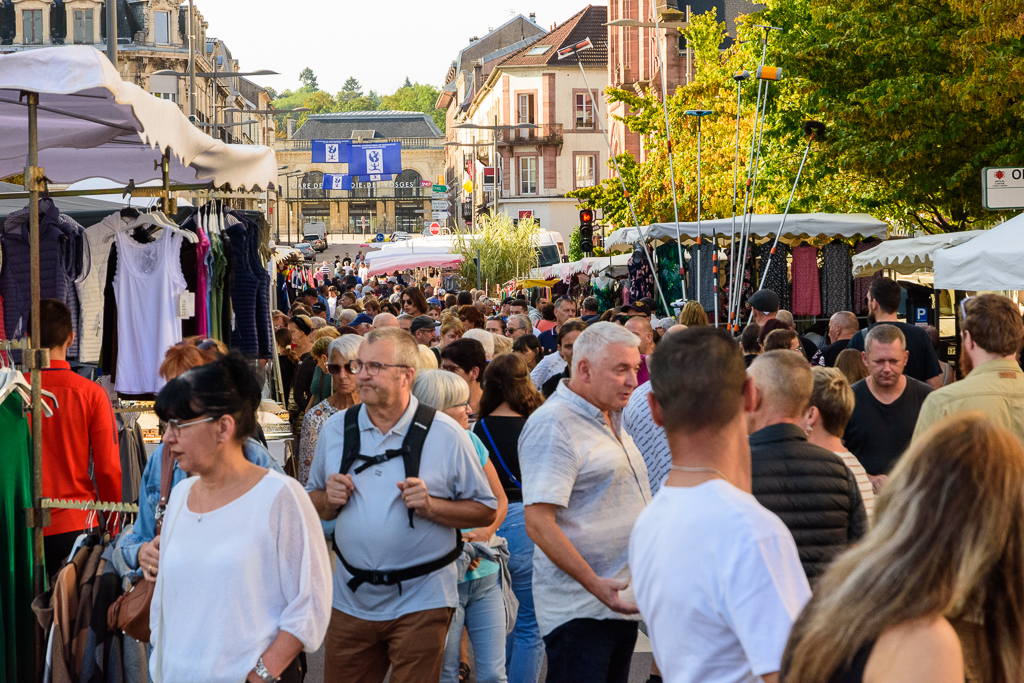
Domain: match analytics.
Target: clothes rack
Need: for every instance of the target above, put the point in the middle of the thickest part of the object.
(99, 506)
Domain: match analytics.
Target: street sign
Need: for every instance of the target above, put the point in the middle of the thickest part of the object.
(440, 204)
(1002, 188)
(439, 195)
(435, 228)
(439, 215)
(441, 188)
(420, 211)
(380, 237)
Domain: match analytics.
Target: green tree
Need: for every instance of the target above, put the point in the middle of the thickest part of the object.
(308, 79)
(350, 90)
(416, 97)
(408, 83)
(507, 250)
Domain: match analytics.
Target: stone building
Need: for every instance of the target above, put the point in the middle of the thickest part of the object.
(402, 203)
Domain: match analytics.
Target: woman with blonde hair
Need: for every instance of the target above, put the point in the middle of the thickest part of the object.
(945, 559)
(693, 314)
(502, 346)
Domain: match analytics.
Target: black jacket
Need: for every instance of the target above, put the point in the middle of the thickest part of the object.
(811, 491)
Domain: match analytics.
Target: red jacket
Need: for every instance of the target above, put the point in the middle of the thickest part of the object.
(84, 420)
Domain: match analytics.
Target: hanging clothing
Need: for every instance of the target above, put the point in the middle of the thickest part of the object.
(250, 290)
(667, 258)
(706, 252)
(16, 590)
(147, 285)
(862, 285)
(806, 288)
(90, 286)
(641, 279)
(777, 280)
(217, 286)
(836, 278)
(132, 449)
(202, 283)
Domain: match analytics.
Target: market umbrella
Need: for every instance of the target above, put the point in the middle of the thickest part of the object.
(993, 261)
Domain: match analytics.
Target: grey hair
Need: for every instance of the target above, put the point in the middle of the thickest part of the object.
(346, 316)
(845, 319)
(440, 389)
(594, 342)
(523, 320)
(884, 334)
(485, 338)
(786, 318)
(405, 316)
(406, 350)
(502, 345)
(347, 345)
(428, 361)
(318, 323)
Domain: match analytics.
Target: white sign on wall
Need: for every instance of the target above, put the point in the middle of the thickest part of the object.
(1002, 188)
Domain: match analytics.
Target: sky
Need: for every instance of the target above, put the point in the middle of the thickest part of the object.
(380, 42)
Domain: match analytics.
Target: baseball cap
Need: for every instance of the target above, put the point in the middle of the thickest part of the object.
(360, 319)
(764, 300)
(640, 307)
(423, 322)
(318, 307)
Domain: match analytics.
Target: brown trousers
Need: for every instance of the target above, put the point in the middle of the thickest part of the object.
(360, 651)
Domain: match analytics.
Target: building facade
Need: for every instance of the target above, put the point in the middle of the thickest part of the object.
(401, 203)
(562, 148)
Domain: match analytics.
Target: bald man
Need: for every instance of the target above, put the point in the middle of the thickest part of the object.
(641, 327)
(384, 320)
(807, 486)
(841, 328)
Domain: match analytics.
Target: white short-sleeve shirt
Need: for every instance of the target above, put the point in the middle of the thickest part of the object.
(718, 581)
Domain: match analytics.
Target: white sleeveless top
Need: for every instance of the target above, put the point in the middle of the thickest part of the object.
(147, 284)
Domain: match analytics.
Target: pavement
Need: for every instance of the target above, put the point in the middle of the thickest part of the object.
(641, 669)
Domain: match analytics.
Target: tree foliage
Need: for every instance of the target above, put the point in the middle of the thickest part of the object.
(308, 79)
(507, 250)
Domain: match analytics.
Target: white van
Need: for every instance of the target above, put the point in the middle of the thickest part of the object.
(318, 229)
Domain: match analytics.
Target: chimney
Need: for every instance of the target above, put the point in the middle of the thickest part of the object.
(473, 39)
(290, 122)
(533, 17)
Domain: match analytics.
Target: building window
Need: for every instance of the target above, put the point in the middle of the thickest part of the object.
(32, 20)
(407, 183)
(162, 23)
(524, 109)
(83, 27)
(584, 112)
(527, 175)
(586, 170)
(167, 96)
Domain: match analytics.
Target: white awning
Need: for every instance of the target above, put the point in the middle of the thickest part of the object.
(410, 261)
(993, 261)
(907, 255)
(87, 114)
(586, 266)
(798, 226)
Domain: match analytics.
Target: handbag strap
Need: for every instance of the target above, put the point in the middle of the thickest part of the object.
(501, 460)
(158, 678)
(166, 479)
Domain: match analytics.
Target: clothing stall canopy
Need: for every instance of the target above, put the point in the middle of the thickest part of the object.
(587, 266)
(993, 261)
(93, 124)
(408, 261)
(798, 226)
(907, 255)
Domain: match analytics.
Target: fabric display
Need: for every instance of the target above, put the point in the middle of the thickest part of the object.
(836, 278)
(806, 289)
(667, 258)
(862, 285)
(641, 279)
(702, 257)
(747, 283)
(776, 279)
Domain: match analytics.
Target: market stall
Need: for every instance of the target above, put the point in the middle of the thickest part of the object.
(66, 115)
(992, 261)
(908, 255)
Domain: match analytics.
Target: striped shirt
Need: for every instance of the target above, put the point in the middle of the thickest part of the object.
(867, 491)
(648, 437)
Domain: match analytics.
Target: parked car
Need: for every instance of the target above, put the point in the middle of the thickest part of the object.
(318, 243)
(306, 249)
(398, 236)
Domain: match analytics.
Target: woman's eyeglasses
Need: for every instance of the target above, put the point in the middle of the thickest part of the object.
(174, 427)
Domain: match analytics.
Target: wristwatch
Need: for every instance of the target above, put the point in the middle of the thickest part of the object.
(262, 672)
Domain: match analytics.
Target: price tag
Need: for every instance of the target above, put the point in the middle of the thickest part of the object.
(186, 305)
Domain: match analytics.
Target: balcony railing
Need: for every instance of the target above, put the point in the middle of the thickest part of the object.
(544, 134)
(407, 143)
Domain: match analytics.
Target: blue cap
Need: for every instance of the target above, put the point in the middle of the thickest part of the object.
(360, 319)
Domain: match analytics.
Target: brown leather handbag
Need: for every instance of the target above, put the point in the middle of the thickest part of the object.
(130, 612)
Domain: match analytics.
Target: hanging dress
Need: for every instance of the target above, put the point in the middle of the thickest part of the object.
(147, 285)
(806, 288)
(777, 281)
(836, 278)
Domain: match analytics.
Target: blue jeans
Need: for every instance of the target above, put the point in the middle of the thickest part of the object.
(482, 610)
(524, 649)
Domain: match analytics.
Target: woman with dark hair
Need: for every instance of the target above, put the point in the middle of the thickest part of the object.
(413, 302)
(266, 533)
(301, 328)
(548, 319)
(467, 359)
(529, 349)
(509, 397)
(471, 317)
(288, 359)
(922, 598)
(769, 327)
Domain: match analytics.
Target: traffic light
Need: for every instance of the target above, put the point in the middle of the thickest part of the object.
(587, 231)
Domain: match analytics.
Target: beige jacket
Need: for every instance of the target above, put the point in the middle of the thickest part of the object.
(995, 387)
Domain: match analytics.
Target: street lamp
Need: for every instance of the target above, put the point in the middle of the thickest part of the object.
(634, 23)
(494, 139)
(216, 75)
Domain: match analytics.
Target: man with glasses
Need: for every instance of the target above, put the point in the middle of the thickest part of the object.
(518, 326)
(391, 619)
(565, 308)
(991, 334)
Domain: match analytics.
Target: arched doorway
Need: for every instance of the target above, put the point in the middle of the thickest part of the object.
(408, 188)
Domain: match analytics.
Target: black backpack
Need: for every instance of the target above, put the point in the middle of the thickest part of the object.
(410, 452)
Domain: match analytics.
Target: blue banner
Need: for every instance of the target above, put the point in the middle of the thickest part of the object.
(331, 151)
(337, 181)
(375, 159)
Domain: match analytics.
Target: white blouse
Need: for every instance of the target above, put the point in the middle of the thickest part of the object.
(231, 579)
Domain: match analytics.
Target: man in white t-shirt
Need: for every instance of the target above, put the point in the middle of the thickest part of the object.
(717, 577)
(395, 580)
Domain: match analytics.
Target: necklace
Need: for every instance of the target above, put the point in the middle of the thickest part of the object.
(710, 470)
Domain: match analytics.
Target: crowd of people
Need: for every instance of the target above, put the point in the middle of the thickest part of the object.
(534, 481)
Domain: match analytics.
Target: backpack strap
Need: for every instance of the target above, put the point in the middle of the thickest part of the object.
(412, 445)
(352, 439)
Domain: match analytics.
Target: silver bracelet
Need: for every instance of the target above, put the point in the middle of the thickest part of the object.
(264, 675)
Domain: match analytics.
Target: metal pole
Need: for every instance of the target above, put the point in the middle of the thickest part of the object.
(165, 172)
(191, 62)
(699, 234)
(494, 160)
(668, 138)
(478, 269)
(735, 192)
(216, 131)
(622, 182)
(112, 32)
(35, 359)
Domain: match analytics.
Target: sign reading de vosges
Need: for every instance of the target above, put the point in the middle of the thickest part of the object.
(331, 151)
(1002, 188)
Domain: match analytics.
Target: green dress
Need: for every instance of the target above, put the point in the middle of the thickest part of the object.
(16, 619)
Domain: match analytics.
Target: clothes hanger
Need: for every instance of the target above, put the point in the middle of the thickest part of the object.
(155, 219)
